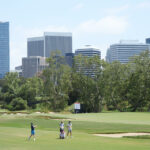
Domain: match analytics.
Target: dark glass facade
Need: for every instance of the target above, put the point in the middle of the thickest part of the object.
(60, 43)
(35, 47)
(148, 41)
(69, 58)
(4, 48)
(43, 46)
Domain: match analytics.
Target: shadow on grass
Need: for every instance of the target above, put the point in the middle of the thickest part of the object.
(54, 118)
(138, 137)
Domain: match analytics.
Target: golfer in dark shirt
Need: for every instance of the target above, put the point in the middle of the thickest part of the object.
(32, 131)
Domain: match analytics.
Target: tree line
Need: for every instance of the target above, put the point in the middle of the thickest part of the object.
(96, 84)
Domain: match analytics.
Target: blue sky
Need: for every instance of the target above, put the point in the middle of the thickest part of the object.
(96, 22)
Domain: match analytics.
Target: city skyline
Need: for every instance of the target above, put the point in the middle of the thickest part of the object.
(97, 23)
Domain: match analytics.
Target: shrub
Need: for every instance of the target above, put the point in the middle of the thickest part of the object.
(17, 104)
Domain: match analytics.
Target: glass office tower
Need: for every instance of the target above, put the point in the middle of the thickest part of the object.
(4, 48)
(124, 50)
(88, 51)
(148, 41)
(61, 41)
(51, 41)
(35, 46)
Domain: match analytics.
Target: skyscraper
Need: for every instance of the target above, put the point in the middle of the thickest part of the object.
(88, 51)
(32, 65)
(69, 58)
(124, 50)
(148, 41)
(61, 41)
(51, 41)
(35, 46)
(4, 48)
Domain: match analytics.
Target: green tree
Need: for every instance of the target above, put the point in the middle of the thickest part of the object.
(25, 89)
(115, 77)
(17, 104)
(57, 83)
(139, 82)
(11, 87)
(86, 81)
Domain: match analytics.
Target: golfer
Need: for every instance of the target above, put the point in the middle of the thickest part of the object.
(69, 126)
(61, 125)
(32, 132)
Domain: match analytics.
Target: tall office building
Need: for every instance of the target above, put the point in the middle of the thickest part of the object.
(88, 51)
(32, 65)
(51, 41)
(124, 50)
(57, 41)
(148, 41)
(4, 48)
(69, 58)
(35, 46)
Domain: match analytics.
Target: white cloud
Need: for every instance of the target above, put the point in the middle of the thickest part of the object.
(78, 6)
(106, 25)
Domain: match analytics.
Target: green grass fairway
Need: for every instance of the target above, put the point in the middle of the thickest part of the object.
(15, 129)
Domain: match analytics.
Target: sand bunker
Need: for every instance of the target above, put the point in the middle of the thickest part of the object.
(119, 135)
